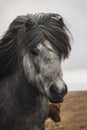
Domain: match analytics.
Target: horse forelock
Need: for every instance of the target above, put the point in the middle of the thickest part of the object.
(51, 27)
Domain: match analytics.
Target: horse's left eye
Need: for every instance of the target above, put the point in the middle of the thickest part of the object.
(34, 52)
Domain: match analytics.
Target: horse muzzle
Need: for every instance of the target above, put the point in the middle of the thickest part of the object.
(56, 95)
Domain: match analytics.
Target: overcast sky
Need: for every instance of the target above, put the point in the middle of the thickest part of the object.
(75, 13)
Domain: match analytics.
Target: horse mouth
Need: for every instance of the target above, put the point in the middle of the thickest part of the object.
(55, 97)
(58, 99)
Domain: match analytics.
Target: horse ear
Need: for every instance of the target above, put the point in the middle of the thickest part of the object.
(29, 24)
(61, 23)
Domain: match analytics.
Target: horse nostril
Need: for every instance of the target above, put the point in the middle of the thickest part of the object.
(53, 90)
(65, 90)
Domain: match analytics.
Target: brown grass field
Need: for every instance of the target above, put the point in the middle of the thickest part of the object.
(73, 113)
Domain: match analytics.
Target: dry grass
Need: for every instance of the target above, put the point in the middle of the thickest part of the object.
(73, 113)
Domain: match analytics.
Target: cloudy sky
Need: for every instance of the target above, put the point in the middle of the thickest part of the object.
(75, 13)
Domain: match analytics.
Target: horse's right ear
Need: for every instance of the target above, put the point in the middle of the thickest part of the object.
(29, 24)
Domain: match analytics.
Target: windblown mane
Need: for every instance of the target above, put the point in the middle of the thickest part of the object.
(26, 32)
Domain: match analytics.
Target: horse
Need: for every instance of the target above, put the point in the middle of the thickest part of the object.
(54, 112)
(31, 51)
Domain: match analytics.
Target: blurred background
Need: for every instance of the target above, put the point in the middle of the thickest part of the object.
(75, 13)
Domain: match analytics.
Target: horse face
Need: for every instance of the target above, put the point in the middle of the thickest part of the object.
(42, 67)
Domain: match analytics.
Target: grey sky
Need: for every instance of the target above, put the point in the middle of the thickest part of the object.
(74, 11)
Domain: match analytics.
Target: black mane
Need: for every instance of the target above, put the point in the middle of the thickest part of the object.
(29, 30)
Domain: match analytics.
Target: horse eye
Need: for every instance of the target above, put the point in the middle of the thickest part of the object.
(34, 52)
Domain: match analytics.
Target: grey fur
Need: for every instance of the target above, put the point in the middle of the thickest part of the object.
(30, 70)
